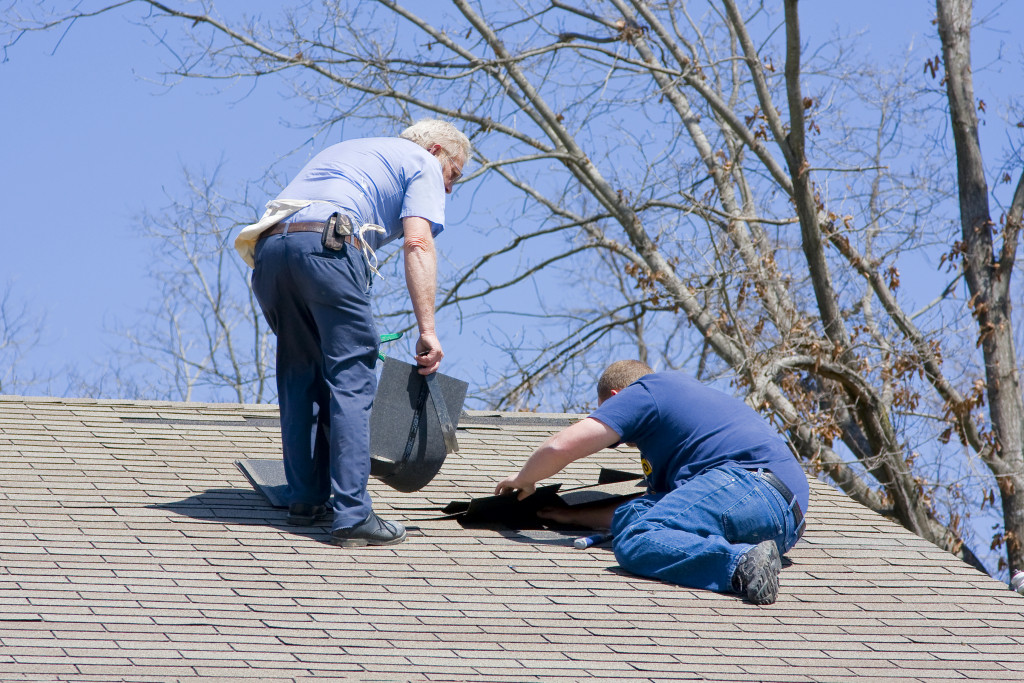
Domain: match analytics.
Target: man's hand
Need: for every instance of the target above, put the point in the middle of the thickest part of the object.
(591, 515)
(428, 353)
(515, 485)
(562, 514)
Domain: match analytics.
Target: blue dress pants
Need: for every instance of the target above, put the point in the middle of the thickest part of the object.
(317, 302)
(696, 534)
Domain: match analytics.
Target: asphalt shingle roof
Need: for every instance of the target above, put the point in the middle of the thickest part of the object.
(132, 548)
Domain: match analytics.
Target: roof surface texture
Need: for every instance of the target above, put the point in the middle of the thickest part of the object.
(132, 548)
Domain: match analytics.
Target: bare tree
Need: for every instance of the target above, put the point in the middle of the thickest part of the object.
(988, 268)
(686, 162)
(205, 329)
(21, 329)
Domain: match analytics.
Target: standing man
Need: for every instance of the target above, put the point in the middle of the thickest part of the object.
(725, 495)
(311, 253)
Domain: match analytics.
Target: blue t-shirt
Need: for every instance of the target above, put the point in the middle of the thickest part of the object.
(683, 427)
(373, 180)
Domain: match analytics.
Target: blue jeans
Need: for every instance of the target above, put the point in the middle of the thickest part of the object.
(696, 534)
(317, 302)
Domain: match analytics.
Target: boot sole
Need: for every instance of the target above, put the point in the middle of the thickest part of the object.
(302, 521)
(305, 521)
(360, 542)
(767, 590)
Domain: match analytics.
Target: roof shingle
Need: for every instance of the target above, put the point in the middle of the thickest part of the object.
(133, 548)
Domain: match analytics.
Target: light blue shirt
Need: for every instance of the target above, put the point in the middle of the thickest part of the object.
(373, 180)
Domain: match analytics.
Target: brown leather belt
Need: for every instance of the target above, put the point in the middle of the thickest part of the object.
(305, 226)
(778, 485)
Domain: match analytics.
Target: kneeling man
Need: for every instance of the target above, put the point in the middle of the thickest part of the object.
(726, 496)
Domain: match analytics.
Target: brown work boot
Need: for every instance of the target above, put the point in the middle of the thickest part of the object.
(371, 531)
(757, 575)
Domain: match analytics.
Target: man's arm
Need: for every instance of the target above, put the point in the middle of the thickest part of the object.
(593, 515)
(572, 443)
(421, 280)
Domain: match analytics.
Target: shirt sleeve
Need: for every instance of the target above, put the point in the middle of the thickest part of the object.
(424, 193)
(631, 413)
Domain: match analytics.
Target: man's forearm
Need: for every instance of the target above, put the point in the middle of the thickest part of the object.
(421, 280)
(572, 443)
(546, 461)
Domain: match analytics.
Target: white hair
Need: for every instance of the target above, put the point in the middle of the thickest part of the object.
(427, 132)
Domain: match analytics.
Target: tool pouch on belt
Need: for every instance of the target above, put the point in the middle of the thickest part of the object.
(338, 227)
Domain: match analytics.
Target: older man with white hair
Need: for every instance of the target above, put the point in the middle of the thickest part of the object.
(313, 259)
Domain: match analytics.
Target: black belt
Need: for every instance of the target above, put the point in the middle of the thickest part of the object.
(304, 226)
(778, 485)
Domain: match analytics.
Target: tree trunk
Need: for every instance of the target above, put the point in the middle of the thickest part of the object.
(988, 279)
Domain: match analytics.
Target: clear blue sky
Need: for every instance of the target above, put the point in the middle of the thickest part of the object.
(90, 141)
